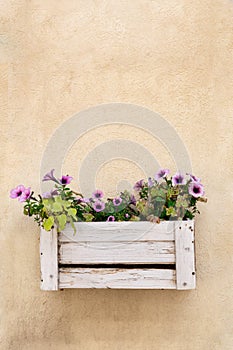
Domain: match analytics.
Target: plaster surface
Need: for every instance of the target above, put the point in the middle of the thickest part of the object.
(60, 57)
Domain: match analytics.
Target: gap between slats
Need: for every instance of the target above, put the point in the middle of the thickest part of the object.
(119, 266)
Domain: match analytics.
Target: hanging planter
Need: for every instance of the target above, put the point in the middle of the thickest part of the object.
(140, 240)
(131, 255)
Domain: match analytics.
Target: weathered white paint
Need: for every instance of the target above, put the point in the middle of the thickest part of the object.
(118, 231)
(185, 257)
(48, 260)
(119, 243)
(117, 278)
(113, 252)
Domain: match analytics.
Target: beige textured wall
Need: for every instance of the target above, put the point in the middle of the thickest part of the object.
(172, 56)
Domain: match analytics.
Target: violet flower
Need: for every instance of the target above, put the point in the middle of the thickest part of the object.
(132, 200)
(196, 189)
(111, 218)
(150, 182)
(139, 185)
(49, 194)
(178, 179)
(16, 192)
(21, 193)
(161, 174)
(98, 194)
(117, 201)
(65, 180)
(85, 200)
(25, 195)
(50, 177)
(80, 200)
(98, 206)
(194, 178)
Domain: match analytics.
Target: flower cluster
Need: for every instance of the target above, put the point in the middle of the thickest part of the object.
(21, 193)
(159, 198)
(169, 198)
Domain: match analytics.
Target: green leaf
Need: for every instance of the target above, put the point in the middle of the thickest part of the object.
(88, 217)
(58, 199)
(61, 221)
(72, 224)
(159, 199)
(134, 218)
(47, 203)
(25, 211)
(56, 207)
(48, 223)
(171, 203)
(170, 211)
(72, 212)
(110, 210)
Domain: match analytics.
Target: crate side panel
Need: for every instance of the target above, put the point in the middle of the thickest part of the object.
(49, 260)
(185, 255)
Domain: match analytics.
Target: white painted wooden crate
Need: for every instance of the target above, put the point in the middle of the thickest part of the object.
(126, 255)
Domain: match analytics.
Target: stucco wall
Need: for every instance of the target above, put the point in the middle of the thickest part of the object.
(60, 57)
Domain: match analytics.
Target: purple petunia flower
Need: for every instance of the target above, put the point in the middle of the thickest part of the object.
(50, 177)
(65, 180)
(78, 201)
(139, 185)
(117, 201)
(196, 189)
(98, 206)
(50, 194)
(178, 179)
(150, 182)
(82, 200)
(161, 174)
(111, 218)
(132, 200)
(85, 200)
(127, 215)
(16, 192)
(25, 195)
(21, 193)
(194, 178)
(98, 194)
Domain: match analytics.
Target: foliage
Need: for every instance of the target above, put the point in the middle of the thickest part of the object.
(161, 198)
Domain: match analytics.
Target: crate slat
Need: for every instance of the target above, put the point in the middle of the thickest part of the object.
(117, 278)
(118, 231)
(48, 260)
(185, 257)
(113, 252)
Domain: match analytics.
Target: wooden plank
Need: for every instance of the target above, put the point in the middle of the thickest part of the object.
(118, 231)
(110, 252)
(117, 278)
(48, 260)
(185, 257)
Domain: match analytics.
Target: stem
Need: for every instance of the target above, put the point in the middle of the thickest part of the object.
(78, 194)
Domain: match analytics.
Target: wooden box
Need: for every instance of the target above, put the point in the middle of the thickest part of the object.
(125, 255)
